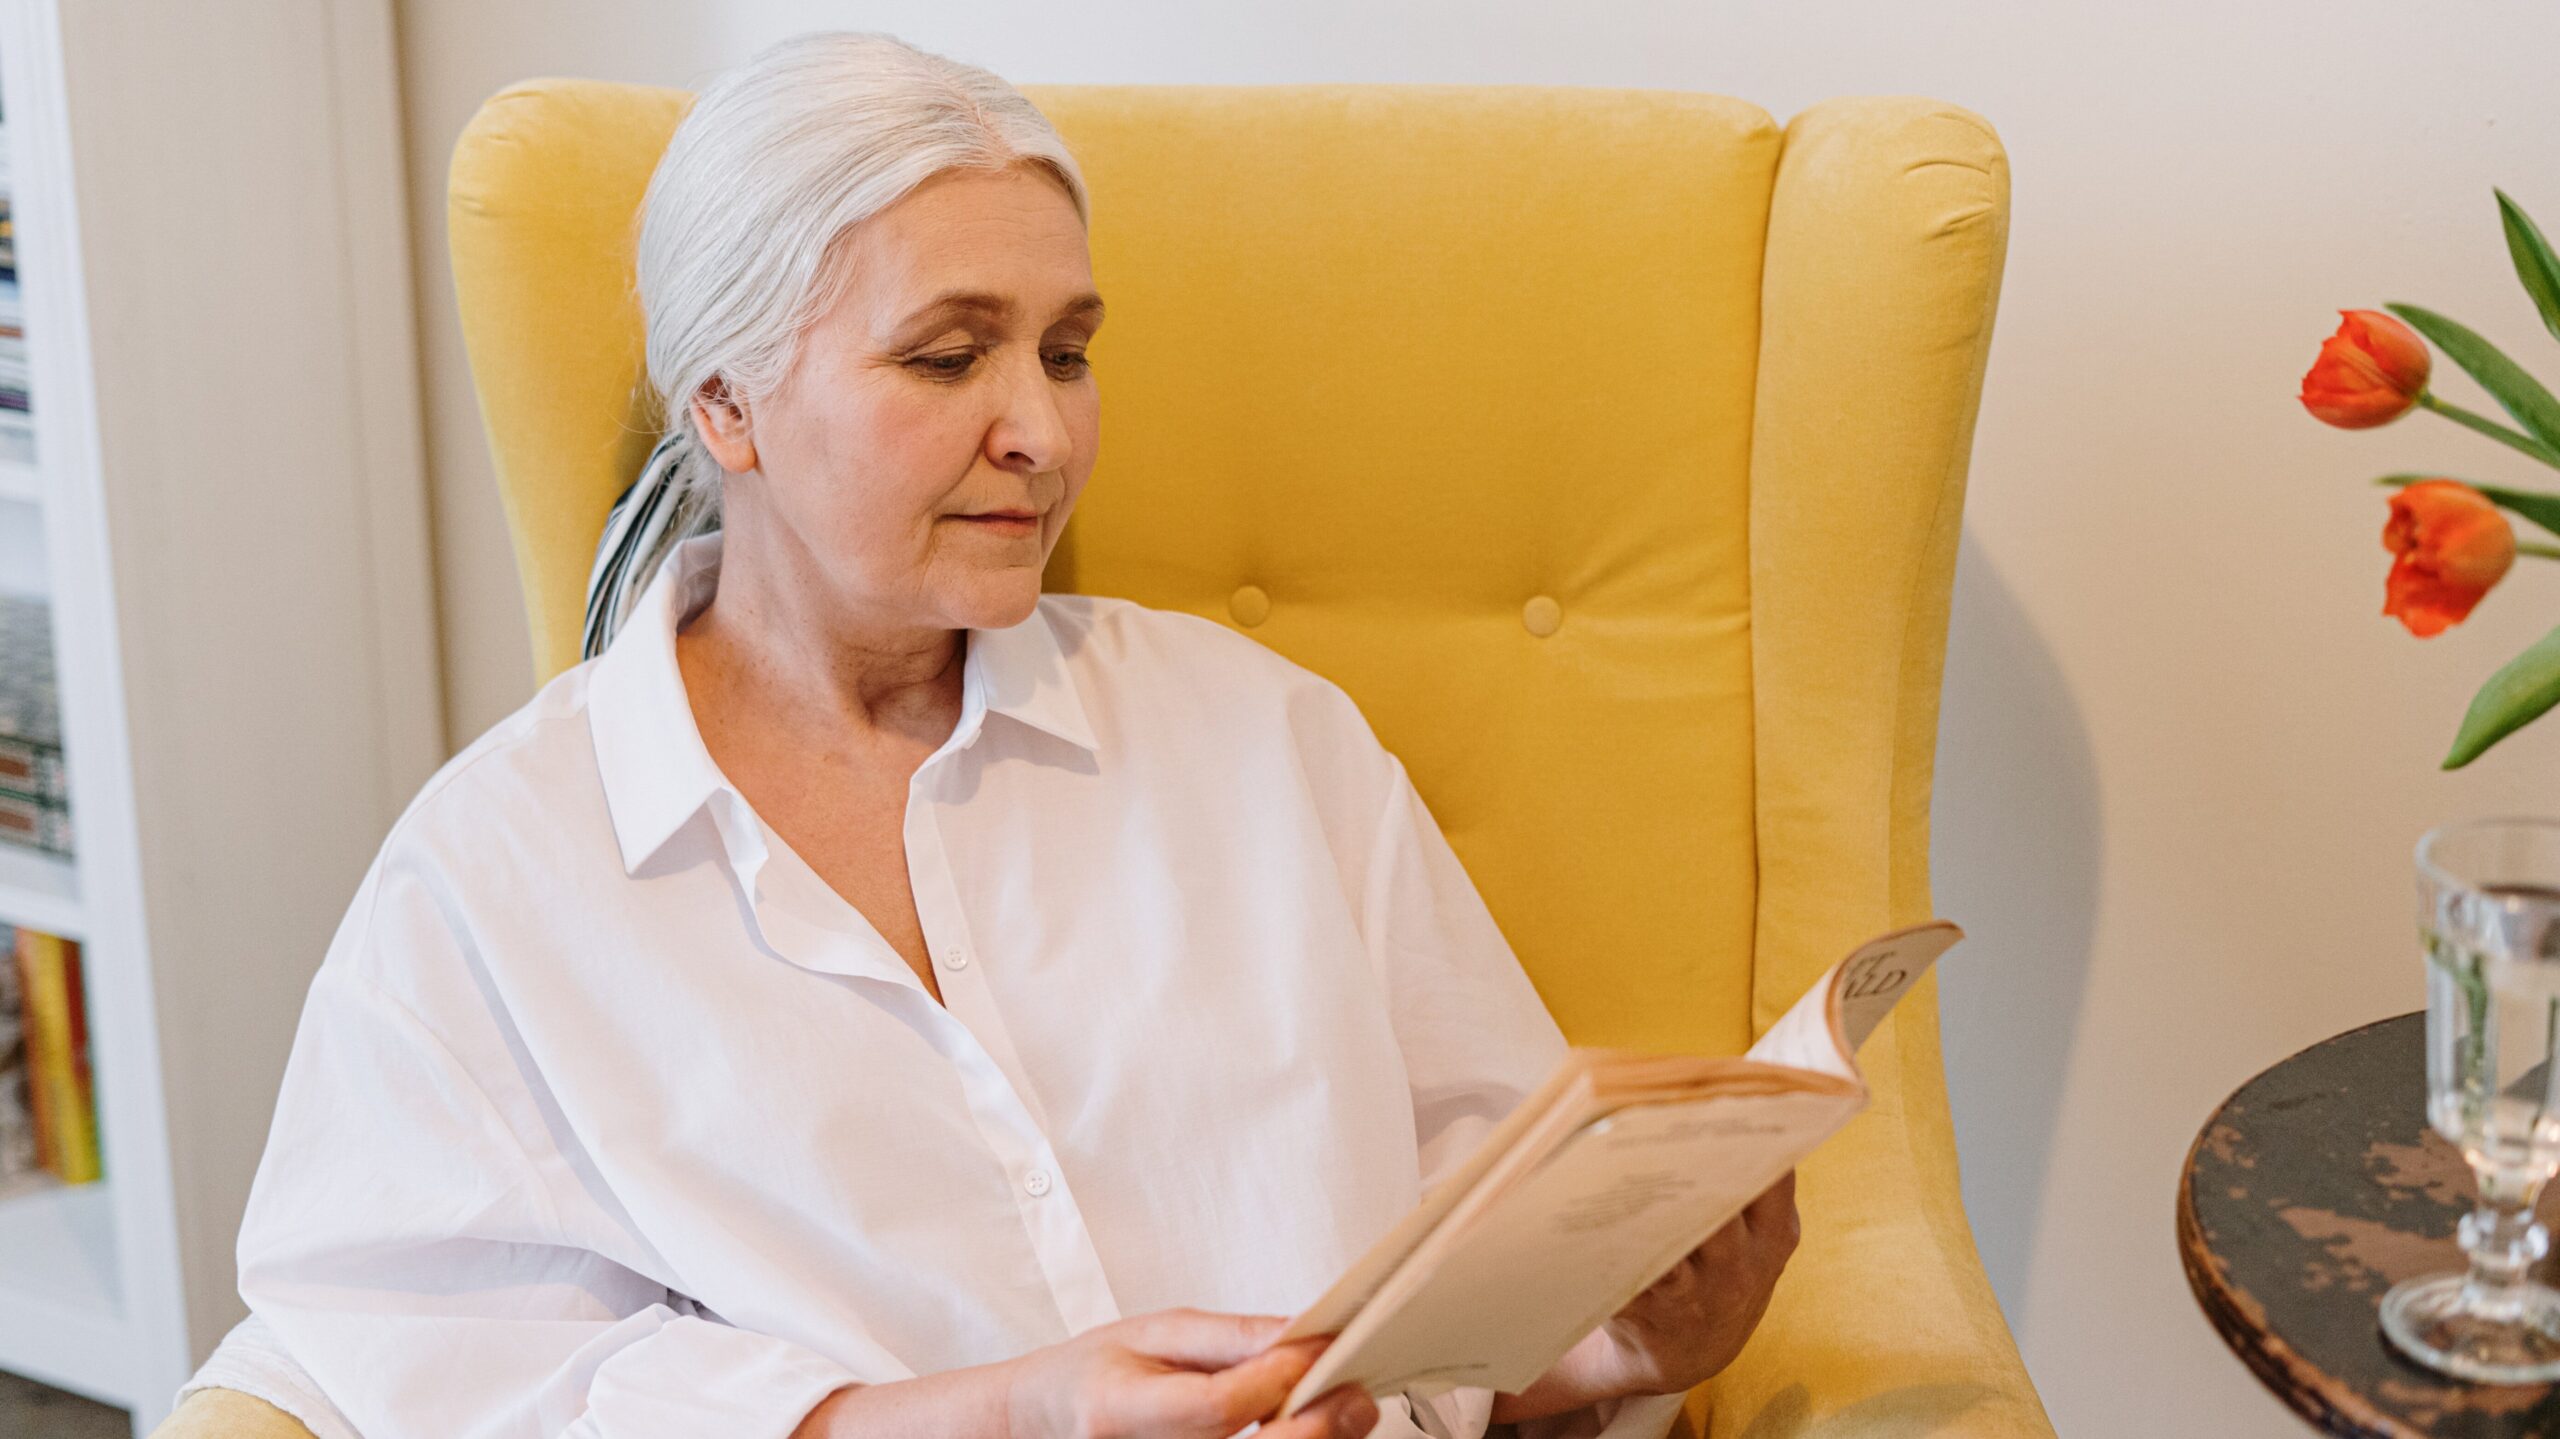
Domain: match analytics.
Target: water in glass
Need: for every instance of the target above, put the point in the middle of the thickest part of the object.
(2489, 925)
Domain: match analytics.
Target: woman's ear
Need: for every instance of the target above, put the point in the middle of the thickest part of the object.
(728, 432)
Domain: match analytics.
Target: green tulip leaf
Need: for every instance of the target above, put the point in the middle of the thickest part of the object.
(2535, 264)
(2506, 381)
(2534, 505)
(2513, 698)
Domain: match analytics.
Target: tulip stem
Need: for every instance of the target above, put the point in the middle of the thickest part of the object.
(2514, 439)
(2548, 552)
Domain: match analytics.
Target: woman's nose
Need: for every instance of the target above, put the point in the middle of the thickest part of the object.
(1031, 430)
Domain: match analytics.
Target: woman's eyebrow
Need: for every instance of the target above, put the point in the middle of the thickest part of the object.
(1087, 305)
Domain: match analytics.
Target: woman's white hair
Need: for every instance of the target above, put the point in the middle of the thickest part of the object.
(740, 230)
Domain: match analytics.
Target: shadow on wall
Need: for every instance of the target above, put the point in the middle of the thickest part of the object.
(2014, 859)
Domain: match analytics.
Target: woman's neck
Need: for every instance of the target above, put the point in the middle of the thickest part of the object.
(776, 643)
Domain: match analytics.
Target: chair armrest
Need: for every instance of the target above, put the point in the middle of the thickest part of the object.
(229, 1414)
(1883, 1323)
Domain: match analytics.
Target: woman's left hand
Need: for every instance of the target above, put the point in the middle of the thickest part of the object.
(1683, 1329)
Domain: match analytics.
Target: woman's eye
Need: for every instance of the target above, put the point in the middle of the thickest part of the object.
(1067, 363)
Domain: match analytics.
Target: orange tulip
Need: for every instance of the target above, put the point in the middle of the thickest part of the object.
(2449, 547)
(2369, 373)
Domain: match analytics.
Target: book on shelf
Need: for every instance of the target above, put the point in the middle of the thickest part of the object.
(14, 365)
(17, 1118)
(35, 799)
(34, 771)
(1595, 1186)
(61, 1100)
(34, 824)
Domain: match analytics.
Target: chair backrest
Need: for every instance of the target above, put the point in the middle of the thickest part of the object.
(1608, 446)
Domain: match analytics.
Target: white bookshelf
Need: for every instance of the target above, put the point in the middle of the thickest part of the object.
(223, 504)
(21, 484)
(87, 1293)
(39, 891)
(62, 1308)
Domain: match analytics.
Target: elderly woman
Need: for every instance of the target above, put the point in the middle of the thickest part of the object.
(873, 997)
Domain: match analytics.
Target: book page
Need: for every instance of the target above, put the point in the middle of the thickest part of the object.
(1827, 1024)
(1611, 1209)
(1519, 1138)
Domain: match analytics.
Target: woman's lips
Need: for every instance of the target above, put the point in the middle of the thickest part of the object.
(1005, 524)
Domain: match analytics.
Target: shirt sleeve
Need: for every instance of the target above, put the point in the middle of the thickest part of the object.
(405, 1237)
(250, 1361)
(1476, 1040)
(1475, 1037)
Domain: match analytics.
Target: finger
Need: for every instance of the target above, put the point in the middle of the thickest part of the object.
(1691, 1266)
(1727, 1244)
(1772, 1216)
(1198, 1339)
(1232, 1397)
(1697, 1266)
(1344, 1412)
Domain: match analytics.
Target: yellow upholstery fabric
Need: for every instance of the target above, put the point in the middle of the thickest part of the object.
(1608, 446)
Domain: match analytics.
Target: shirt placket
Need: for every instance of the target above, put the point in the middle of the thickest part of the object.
(999, 1093)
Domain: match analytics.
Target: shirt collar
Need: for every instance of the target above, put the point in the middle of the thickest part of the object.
(656, 771)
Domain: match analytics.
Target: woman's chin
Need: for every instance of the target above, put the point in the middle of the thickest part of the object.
(998, 599)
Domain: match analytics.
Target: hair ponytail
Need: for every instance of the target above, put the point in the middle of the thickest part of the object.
(676, 497)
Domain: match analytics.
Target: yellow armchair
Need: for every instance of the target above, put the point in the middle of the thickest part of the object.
(1609, 446)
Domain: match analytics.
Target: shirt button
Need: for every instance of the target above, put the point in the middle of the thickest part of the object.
(1037, 1182)
(955, 959)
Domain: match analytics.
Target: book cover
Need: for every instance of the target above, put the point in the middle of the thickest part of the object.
(1595, 1185)
(35, 824)
(53, 1011)
(32, 771)
(34, 800)
(32, 1038)
(28, 708)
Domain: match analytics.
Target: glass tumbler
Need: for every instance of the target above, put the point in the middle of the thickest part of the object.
(2489, 920)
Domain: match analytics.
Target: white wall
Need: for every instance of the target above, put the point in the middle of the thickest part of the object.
(2185, 757)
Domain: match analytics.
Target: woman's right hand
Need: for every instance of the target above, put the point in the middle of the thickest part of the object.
(1177, 1374)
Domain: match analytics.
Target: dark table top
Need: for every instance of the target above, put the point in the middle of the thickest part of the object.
(2310, 1193)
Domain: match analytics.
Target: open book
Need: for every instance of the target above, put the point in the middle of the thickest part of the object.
(1595, 1186)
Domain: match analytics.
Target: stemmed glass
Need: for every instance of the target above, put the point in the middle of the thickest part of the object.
(2489, 919)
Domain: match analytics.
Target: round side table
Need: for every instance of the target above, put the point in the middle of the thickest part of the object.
(2312, 1191)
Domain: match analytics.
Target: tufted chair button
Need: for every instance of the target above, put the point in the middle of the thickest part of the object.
(1541, 615)
(1249, 605)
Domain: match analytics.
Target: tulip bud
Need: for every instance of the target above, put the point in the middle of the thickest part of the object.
(2450, 545)
(2369, 373)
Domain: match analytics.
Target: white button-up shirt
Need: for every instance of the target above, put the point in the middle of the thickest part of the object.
(608, 1117)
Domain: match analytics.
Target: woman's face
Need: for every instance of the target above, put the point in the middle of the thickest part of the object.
(920, 459)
